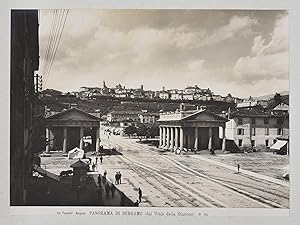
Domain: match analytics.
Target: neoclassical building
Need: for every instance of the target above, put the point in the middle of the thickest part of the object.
(191, 130)
(65, 130)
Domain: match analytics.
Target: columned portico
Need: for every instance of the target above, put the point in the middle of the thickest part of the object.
(192, 130)
(67, 128)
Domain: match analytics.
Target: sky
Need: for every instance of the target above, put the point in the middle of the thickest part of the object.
(241, 52)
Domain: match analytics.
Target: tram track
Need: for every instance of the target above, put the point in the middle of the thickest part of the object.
(193, 191)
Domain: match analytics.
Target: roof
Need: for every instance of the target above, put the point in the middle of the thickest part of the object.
(191, 115)
(57, 115)
(79, 164)
(125, 112)
(257, 111)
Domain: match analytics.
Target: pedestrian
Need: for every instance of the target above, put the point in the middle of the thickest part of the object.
(116, 178)
(99, 180)
(99, 194)
(120, 176)
(238, 167)
(96, 160)
(112, 190)
(104, 180)
(140, 195)
(107, 189)
(101, 159)
(105, 173)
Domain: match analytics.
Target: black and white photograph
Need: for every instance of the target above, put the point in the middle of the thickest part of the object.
(149, 108)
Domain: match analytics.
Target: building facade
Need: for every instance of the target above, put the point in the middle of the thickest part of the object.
(24, 62)
(191, 130)
(256, 127)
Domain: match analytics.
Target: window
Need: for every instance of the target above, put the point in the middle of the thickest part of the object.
(279, 131)
(240, 142)
(240, 120)
(267, 143)
(252, 143)
(253, 131)
(279, 121)
(267, 131)
(266, 120)
(240, 131)
(253, 120)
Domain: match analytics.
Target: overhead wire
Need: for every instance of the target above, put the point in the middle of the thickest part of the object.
(58, 24)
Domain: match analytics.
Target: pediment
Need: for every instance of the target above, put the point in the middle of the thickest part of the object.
(204, 116)
(73, 114)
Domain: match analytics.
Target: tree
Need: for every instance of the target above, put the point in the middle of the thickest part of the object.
(142, 130)
(153, 130)
(130, 130)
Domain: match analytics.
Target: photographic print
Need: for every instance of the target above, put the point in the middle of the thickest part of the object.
(149, 108)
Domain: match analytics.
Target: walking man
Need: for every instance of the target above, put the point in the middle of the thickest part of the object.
(105, 172)
(101, 159)
(117, 178)
(140, 195)
(99, 180)
(238, 167)
(120, 175)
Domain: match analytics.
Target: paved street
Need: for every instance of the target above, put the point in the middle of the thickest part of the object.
(167, 179)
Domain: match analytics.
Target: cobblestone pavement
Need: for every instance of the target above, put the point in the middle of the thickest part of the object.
(167, 179)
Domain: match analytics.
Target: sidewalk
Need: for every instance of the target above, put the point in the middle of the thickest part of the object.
(242, 171)
(129, 185)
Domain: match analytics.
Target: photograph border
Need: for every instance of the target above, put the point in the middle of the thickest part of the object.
(33, 215)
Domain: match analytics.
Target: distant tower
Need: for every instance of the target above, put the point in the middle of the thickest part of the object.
(163, 88)
(104, 86)
(142, 87)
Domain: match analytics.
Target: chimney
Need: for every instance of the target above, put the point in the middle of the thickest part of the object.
(142, 87)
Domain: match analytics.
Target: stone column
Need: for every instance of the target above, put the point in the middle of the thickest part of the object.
(97, 139)
(65, 140)
(172, 138)
(224, 140)
(181, 138)
(210, 138)
(176, 138)
(160, 136)
(47, 140)
(81, 138)
(188, 144)
(168, 137)
(164, 137)
(196, 139)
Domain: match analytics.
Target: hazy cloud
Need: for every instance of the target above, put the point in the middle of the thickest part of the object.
(171, 48)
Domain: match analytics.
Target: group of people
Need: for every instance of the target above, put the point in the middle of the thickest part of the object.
(110, 189)
(118, 177)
